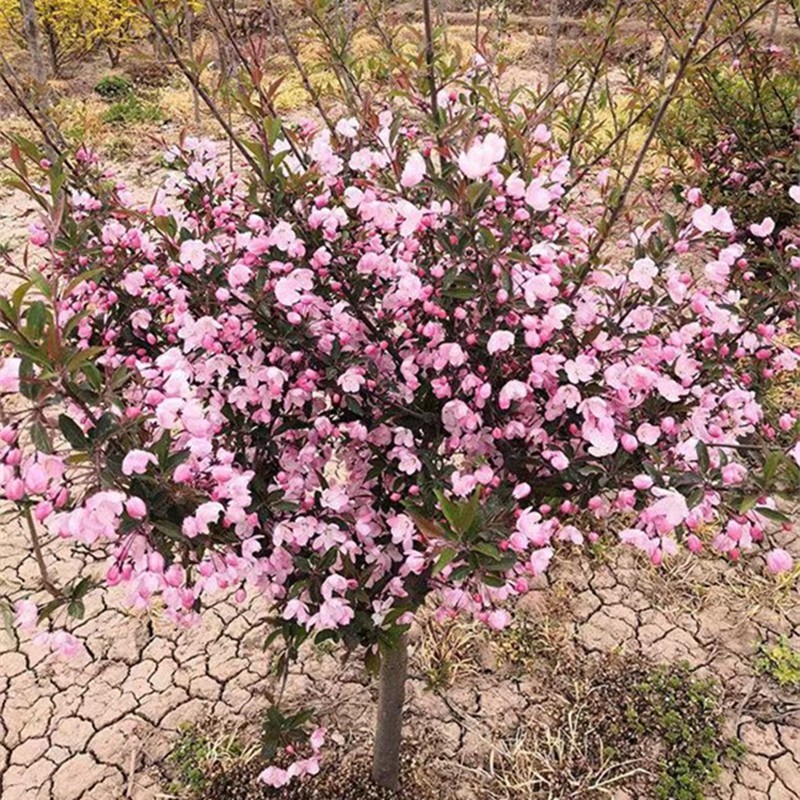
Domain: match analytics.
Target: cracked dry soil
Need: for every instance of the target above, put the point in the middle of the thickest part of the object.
(101, 728)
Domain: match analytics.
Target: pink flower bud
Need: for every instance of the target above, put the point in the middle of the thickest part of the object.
(693, 543)
(136, 508)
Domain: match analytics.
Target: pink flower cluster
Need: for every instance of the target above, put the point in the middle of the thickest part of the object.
(301, 767)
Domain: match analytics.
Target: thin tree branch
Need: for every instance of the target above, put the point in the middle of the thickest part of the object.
(618, 206)
(200, 89)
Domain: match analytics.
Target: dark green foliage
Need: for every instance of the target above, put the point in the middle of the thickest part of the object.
(208, 765)
(735, 135)
(189, 758)
(113, 87)
(685, 715)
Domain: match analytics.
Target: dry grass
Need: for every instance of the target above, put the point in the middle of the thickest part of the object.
(550, 762)
(765, 592)
(449, 652)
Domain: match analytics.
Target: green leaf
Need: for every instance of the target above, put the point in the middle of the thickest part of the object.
(445, 558)
(82, 357)
(771, 465)
(40, 282)
(426, 526)
(703, 459)
(372, 662)
(488, 549)
(76, 609)
(106, 425)
(748, 502)
(168, 528)
(72, 432)
(81, 588)
(93, 376)
(772, 514)
(40, 438)
(477, 193)
(19, 295)
(461, 515)
(35, 319)
(671, 225)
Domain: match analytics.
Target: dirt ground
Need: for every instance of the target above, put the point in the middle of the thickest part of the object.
(100, 728)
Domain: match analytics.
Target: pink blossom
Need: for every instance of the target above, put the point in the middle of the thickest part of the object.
(537, 197)
(500, 341)
(193, 254)
(61, 642)
(778, 561)
(511, 391)
(290, 289)
(643, 272)
(498, 619)
(137, 461)
(317, 739)
(335, 498)
(694, 196)
(540, 560)
(26, 615)
(9, 375)
(360, 350)
(693, 543)
(705, 219)
(539, 287)
(667, 513)
(413, 171)
(763, 228)
(352, 380)
(275, 777)
(347, 128)
(481, 157)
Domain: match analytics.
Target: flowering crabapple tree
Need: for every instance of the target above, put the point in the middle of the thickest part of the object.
(388, 374)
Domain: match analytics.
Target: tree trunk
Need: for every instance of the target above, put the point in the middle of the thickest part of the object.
(429, 56)
(188, 15)
(53, 51)
(389, 724)
(30, 25)
(552, 58)
(773, 27)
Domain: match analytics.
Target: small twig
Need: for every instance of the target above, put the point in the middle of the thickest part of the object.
(47, 583)
(132, 770)
(46, 128)
(307, 85)
(742, 704)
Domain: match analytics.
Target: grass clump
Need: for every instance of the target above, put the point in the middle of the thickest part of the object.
(131, 110)
(199, 754)
(113, 87)
(781, 662)
(617, 722)
(684, 714)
